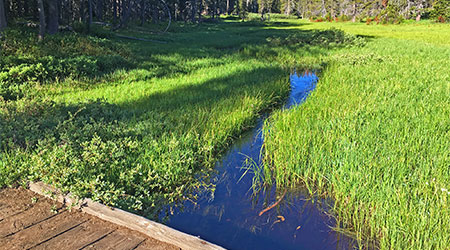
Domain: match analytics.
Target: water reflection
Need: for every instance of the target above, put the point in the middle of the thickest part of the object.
(229, 215)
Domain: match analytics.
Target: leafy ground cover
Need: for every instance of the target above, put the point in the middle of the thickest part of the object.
(141, 132)
(375, 136)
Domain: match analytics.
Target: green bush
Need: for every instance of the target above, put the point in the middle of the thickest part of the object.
(391, 15)
(441, 10)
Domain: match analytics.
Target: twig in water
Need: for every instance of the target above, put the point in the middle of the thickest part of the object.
(274, 204)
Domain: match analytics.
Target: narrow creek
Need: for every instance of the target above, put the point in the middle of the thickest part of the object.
(230, 217)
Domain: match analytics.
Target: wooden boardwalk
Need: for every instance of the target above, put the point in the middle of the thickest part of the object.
(31, 221)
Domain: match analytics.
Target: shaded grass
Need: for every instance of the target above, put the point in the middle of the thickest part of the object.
(375, 136)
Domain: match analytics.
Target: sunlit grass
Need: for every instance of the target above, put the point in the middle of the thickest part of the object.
(375, 136)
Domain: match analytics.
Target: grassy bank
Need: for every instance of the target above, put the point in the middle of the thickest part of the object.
(375, 136)
(137, 124)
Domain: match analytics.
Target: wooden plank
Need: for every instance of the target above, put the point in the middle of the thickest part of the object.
(8, 211)
(5, 211)
(10, 196)
(20, 221)
(42, 232)
(117, 241)
(150, 244)
(143, 225)
(77, 237)
(11, 204)
(150, 228)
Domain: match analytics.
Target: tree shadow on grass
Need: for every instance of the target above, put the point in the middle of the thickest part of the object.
(25, 125)
(237, 41)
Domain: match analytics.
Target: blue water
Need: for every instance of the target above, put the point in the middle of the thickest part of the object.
(229, 215)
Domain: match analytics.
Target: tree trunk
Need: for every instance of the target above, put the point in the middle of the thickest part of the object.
(323, 8)
(41, 19)
(25, 9)
(19, 8)
(99, 8)
(53, 16)
(82, 11)
(288, 8)
(143, 7)
(89, 21)
(123, 9)
(354, 12)
(3, 23)
(119, 8)
(194, 10)
(114, 11)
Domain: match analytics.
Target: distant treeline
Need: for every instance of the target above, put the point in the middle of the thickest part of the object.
(54, 14)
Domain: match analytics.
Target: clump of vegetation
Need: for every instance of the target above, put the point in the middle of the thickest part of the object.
(441, 11)
(343, 18)
(391, 14)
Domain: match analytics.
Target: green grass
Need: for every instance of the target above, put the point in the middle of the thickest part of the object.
(139, 125)
(375, 136)
(143, 133)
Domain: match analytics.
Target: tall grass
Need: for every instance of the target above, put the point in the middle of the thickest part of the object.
(375, 136)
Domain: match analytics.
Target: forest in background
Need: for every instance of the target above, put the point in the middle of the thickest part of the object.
(54, 15)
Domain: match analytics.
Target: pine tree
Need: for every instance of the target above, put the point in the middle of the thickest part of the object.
(243, 9)
(53, 16)
(41, 19)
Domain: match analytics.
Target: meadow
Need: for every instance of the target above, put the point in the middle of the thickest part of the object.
(375, 136)
(139, 125)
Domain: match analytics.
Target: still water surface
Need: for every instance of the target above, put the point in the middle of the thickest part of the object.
(229, 216)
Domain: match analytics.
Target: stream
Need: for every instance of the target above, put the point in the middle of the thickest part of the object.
(229, 216)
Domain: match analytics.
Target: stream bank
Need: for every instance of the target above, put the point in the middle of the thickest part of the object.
(232, 215)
